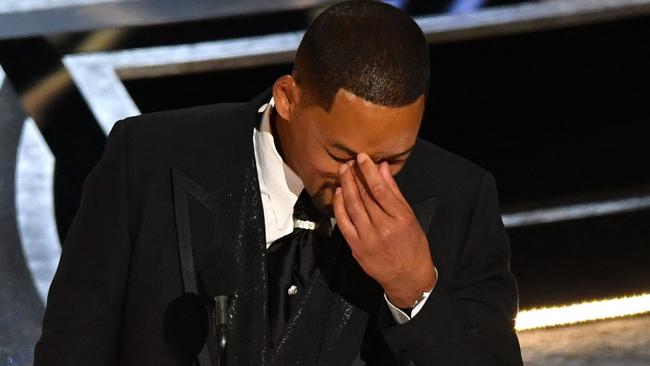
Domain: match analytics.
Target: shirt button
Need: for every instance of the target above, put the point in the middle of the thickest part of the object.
(292, 290)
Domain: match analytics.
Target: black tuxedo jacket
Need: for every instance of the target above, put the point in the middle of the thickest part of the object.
(173, 207)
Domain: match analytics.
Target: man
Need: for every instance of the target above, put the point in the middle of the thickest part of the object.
(404, 260)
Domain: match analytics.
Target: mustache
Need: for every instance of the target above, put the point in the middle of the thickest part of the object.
(318, 200)
(326, 185)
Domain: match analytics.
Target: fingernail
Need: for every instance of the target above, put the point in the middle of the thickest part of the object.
(337, 191)
(343, 168)
(361, 157)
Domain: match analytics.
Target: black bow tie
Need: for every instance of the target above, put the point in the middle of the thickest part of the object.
(291, 260)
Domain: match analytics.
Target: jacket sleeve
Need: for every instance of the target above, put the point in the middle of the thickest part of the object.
(471, 321)
(82, 322)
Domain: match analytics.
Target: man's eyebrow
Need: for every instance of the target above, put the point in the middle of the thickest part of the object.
(351, 152)
(341, 146)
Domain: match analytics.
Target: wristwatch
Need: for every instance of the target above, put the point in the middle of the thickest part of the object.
(423, 296)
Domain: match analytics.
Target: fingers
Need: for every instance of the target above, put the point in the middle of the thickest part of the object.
(378, 186)
(376, 213)
(342, 218)
(352, 200)
(385, 172)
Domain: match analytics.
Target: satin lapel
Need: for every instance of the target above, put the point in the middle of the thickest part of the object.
(424, 211)
(321, 315)
(190, 197)
(221, 236)
(415, 187)
(221, 244)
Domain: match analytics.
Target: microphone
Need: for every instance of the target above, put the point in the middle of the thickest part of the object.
(221, 327)
(217, 291)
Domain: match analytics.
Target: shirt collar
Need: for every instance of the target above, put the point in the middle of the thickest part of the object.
(280, 182)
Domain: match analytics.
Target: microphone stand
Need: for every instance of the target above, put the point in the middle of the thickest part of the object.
(221, 326)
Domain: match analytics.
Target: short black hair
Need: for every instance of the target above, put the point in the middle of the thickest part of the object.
(368, 48)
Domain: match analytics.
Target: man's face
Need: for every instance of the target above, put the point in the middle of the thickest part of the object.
(315, 142)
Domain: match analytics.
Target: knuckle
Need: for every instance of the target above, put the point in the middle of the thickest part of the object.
(346, 228)
(359, 254)
(355, 206)
(364, 193)
(385, 232)
(378, 189)
(406, 220)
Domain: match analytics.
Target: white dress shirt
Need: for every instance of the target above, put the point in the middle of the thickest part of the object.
(280, 187)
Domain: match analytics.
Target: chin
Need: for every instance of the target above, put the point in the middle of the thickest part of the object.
(328, 210)
(322, 198)
(324, 207)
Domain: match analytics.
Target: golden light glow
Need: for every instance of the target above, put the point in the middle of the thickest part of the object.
(582, 312)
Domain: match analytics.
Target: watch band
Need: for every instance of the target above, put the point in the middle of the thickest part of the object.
(423, 296)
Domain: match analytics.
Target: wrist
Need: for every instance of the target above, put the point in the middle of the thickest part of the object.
(407, 297)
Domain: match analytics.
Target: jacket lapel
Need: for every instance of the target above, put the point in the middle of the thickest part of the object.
(424, 211)
(221, 240)
(193, 202)
(221, 250)
(322, 313)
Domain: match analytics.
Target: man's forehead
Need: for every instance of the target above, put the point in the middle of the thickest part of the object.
(354, 125)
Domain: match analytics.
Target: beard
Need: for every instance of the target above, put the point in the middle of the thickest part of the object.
(319, 200)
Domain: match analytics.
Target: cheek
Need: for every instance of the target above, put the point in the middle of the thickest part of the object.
(316, 164)
(320, 176)
(395, 168)
(320, 171)
(316, 168)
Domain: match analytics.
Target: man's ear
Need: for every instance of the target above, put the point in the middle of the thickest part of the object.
(285, 96)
